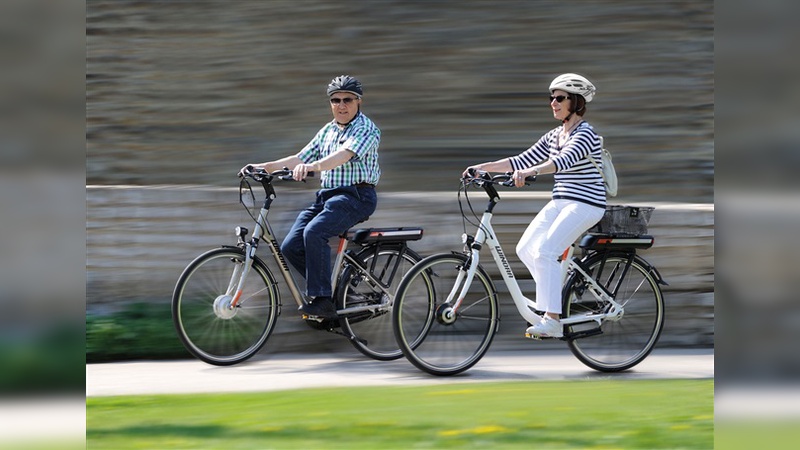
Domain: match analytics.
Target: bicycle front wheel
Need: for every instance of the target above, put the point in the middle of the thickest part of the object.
(372, 328)
(433, 336)
(621, 342)
(206, 324)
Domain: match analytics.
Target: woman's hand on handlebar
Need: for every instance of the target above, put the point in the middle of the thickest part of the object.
(522, 177)
(472, 172)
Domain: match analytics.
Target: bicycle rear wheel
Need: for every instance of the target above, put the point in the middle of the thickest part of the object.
(434, 337)
(622, 342)
(372, 329)
(207, 326)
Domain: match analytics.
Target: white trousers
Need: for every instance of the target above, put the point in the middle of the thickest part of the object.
(554, 229)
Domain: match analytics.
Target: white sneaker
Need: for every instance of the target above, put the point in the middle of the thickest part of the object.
(547, 327)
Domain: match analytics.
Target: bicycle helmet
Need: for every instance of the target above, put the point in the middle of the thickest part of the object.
(345, 83)
(574, 84)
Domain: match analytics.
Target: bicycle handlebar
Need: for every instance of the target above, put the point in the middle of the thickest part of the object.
(262, 175)
(480, 178)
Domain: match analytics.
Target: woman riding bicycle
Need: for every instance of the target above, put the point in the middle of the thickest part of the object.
(579, 196)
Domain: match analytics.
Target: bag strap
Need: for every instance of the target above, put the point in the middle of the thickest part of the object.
(596, 166)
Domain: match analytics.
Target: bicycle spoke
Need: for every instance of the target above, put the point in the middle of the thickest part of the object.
(622, 340)
(432, 336)
(372, 328)
(207, 325)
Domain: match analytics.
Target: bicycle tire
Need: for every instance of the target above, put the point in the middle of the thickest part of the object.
(430, 336)
(372, 330)
(211, 332)
(616, 344)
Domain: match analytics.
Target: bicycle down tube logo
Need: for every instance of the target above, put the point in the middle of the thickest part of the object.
(503, 260)
(279, 254)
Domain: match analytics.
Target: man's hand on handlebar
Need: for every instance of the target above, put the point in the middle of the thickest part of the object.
(250, 169)
(301, 171)
(245, 170)
(259, 172)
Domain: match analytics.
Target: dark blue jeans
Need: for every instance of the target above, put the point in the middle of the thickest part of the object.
(334, 212)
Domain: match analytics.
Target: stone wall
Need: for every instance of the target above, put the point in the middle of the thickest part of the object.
(139, 239)
(184, 91)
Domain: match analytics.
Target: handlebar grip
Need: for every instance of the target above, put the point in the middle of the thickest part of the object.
(248, 169)
(286, 175)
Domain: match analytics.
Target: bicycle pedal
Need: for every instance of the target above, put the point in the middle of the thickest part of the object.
(538, 338)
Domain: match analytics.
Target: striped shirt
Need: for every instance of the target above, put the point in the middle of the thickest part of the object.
(576, 178)
(362, 137)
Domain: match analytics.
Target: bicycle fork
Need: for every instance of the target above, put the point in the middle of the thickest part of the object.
(241, 271)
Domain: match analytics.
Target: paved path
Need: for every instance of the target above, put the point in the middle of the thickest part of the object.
(270, 372)
(279, 372)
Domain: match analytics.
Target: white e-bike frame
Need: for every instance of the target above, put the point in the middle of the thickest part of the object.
(526, 307)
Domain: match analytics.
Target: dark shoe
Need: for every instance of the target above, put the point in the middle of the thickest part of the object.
(319, 307)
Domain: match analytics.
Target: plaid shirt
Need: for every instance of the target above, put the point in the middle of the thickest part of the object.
(361, 137)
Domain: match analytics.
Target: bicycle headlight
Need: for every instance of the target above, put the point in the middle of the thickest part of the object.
(241, 232)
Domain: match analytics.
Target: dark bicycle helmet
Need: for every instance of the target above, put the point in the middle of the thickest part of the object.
(345, 83)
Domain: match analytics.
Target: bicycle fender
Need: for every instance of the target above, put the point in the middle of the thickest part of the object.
(652, 269)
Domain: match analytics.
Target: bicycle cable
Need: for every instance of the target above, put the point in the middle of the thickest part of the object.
(244, 189)
(464, 218)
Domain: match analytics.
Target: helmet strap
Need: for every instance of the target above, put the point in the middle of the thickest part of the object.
(573, 101)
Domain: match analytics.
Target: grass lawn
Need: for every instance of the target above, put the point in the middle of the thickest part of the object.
(610, 414)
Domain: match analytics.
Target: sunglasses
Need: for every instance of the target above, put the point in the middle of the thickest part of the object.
(347, 100)
(558, 98)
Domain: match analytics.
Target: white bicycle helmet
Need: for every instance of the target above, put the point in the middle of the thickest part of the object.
(574, 84)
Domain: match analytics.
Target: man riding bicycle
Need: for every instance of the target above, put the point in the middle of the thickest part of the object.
(345, 153)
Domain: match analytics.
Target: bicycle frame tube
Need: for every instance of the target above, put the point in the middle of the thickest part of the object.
(368, 273)
(486, 236)
(337, 265)
(526, 307)
(264, 230)
(341, 256)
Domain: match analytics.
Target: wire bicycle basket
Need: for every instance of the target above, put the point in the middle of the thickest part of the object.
(623, 220)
